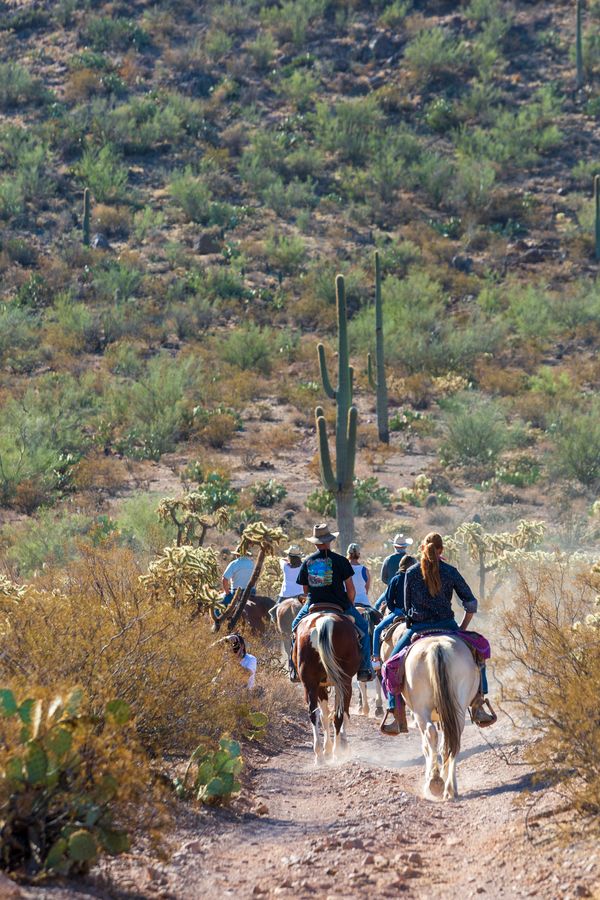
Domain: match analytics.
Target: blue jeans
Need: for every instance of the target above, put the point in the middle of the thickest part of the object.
(227, 598)
(387, 620)
(360, 622)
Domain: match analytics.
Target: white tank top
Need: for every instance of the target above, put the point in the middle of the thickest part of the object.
(360, 584)
(290, 587)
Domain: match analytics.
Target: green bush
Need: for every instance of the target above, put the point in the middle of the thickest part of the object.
(139, 525)
(434, 52)
(291, 19)
(475, 433)
(17, 330)
(193, 195)
(322, 502)
(299, 88)
(152, 414)
(577, 447)
(141, 125)
(215, 491)
(18, 87)
(367, 493)
(67, 779)
(46, 539)
(108, 33)
(116, 281)
(262, 50)
(348, 127)
(101, 170)
(285, 253)
(268, 493)
(250, 348)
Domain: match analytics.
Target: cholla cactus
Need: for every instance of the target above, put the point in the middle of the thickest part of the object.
(270, 577)
(188, 517)
(267, 539)
(418, 493)
(10, 591)
(497, 553)
(186, 575)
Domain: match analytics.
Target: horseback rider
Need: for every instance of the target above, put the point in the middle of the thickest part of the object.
(361, 578)
(327, 578)
(428, 590)
(236, 575)
(391, 563)
(290, 567)
(394, 600)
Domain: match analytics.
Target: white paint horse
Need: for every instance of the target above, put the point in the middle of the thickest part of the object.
(440, 676)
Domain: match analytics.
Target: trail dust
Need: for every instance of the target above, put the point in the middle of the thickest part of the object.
(363, 829)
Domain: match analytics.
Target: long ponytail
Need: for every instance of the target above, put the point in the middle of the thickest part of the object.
(430, 563)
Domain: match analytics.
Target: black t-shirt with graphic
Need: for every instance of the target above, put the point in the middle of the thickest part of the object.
(325, 573)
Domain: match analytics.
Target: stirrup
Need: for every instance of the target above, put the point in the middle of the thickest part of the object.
(477, 706)
(398, 726)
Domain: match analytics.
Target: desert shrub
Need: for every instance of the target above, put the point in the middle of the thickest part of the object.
(577, 446)
(215, 776)
(250, 348)
(147, 222)
(367, 493)
(116, 280)
(475, 432)
(142, 124)
(433, 52)
(551, 650)
(300, 88)
(268, 493)
(322, 502)
(285, 253)
(529, 311)
(522, 471)
(288, 197)
(41, 436)
(72, 786)
(107, 33)
(101, 170)
(153, 413)
(18, 87)
(139, 526)
(77, 329)
(17, 330)
(395, 12)
(193, 195)
(262, 50)
(45, 539)
(215, 491)
(291, 19)
(101, 629)
(348, 127)
(422, 489)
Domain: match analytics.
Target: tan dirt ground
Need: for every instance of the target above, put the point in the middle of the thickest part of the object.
(363, 829)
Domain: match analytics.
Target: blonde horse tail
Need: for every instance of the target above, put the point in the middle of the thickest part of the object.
(444, 699)
(333, 670)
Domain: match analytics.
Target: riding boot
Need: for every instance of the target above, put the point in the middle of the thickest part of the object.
(292, 673)
(478, 714)
(400, 724)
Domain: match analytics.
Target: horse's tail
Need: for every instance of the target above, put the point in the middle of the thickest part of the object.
(335, 674)
(444, 698)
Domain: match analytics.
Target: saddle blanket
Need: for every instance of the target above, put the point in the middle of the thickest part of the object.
(324, 610)
(392, 671)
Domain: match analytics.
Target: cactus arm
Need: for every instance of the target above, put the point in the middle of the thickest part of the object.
(579, 45)
(350, 447)
(344, 390)
(327, 476)
(597, 215)
(327, 386)
(86, 218)
(370, 373)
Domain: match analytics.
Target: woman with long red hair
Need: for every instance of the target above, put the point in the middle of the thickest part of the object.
(428, 590)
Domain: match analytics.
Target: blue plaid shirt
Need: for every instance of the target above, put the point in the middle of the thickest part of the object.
(420, 606)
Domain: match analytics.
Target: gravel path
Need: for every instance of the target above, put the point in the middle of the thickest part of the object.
(362, 829)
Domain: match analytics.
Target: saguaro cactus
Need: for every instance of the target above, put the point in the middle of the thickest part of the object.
(86, 217)
(379, 384)
(341, 484)
(597, 215)
(579, 44)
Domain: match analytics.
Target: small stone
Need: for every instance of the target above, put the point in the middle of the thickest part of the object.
(353, 844)
(368, 860)
(582, 890)
(209, 241)
(100, 242)
(415, 858)
(261, 809)
(331, 871)
(381, 862)
(462, 264)
(193, 847)
(257, 889)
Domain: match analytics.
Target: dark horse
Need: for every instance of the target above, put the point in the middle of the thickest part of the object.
(326, 654)
(255, 614)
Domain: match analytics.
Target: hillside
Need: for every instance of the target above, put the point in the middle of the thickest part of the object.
(236, 157)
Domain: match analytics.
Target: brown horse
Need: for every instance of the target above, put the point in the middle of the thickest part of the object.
(326, 654)
(255, 614)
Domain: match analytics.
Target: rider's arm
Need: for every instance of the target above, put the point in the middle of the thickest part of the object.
(467, 599)
(305, 588)
(384, 571)
(226, 584)
(350, 589)
(368, 584)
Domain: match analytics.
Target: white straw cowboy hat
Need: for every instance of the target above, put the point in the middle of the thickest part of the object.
(293, 550)
(401, 541)
(322, 535)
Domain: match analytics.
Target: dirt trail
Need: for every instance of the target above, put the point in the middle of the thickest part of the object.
(362, 829)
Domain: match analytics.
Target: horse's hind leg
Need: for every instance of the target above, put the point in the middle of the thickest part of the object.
(314, 714)
(326, 726)
(429, 735)
(363, 699)
(379, 703)
(340, 746)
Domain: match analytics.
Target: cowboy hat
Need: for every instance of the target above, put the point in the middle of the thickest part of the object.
(401, 541)
(322, 535)
(293, 550)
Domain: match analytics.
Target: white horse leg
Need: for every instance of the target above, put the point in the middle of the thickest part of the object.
(314, 715)
(379, 701)
(325, 725)
(340, 741)
(363, 703)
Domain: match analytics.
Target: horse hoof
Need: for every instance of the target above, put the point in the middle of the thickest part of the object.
(436, 786)
(379, 710)
(449, 795)
(319, 761)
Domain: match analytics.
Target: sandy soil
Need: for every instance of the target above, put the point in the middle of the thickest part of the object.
(363, 829)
